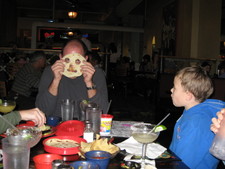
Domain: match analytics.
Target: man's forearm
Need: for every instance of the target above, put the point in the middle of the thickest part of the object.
(53, 88)
(91, 91)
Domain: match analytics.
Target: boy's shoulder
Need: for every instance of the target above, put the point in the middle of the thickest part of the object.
(209, 106)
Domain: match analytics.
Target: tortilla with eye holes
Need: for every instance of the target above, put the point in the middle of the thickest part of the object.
(72, 65)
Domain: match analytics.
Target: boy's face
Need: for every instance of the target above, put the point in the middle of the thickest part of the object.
(178, 95)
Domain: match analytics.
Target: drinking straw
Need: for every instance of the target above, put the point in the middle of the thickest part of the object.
(159, 123)
(108, 106)
(10, 123)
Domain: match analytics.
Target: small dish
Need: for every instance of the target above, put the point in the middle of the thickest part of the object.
(63, 151)
(70, 128)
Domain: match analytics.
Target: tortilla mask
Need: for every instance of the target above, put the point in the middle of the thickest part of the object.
(72, 65)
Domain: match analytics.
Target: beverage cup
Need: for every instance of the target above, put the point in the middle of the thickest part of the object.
(106, 124)
(94, 116)
(101, 158)
(218, 144)
(217, 149)
(15, 156)
(53, 120)
(67, 109)
(83, 106)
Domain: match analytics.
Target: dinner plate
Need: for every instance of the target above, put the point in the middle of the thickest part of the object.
(48, 133)
(70, 128)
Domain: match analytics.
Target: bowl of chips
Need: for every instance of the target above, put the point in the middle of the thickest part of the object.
(63, 145)
(102, 144)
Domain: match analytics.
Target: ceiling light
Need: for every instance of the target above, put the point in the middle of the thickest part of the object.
(72, 14)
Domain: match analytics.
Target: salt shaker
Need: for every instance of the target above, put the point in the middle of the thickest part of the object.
(88, 133)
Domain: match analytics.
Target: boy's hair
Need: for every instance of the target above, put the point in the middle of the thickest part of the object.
(196, 81)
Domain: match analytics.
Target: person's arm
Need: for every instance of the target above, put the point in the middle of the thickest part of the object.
(88, 72)
(57, 69)
(46, 101)
(13, 117)
(35, 115)
(101, 96)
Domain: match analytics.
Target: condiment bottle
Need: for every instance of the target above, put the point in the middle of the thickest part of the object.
(88, 133)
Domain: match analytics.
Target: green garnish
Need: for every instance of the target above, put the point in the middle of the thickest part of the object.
(160, 128)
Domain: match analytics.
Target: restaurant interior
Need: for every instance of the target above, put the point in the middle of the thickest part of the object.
(178, 33)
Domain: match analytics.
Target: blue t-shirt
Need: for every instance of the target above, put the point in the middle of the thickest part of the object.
(192, 137)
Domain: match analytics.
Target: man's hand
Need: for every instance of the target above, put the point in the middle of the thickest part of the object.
(57, 69)
(35, 115)
(88, 71)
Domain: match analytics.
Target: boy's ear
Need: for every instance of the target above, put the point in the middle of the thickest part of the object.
(189, 95)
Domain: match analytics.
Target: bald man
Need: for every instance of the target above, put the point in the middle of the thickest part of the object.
(54, 86)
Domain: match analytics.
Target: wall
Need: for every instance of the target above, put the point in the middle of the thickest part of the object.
(8, 22)
(197, 30)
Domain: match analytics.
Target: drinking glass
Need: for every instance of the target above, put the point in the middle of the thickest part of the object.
(144, 133)
(7, 106)
(67, 109)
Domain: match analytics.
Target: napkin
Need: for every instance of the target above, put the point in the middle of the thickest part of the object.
(133, 147)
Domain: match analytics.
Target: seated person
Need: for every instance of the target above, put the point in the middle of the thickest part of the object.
(54, 86)
(26, 81)
(146, 64)
(192, 137)
(15, 117)
(206, 67)
(221, 69)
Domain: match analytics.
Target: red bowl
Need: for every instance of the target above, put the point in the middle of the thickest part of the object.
(70, 128)
(44, 161)
(63, 151)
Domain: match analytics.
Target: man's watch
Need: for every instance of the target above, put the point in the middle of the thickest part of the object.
(91, 88)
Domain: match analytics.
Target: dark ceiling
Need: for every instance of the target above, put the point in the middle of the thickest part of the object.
(88, 10)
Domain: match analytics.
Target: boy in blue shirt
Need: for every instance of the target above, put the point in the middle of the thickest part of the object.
(191, 138)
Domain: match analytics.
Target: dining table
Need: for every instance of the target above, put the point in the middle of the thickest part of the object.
(117, 162)
(167, 160)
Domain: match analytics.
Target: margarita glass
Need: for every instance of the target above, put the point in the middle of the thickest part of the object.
(7, 106)
(144, 133)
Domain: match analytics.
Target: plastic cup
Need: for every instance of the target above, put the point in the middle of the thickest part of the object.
(106, 124)
(94, 116)
(218, 144)
(15, 156)
(53, 120)
(101, 158)
(67, 109)
(44, 161)
(84, 165)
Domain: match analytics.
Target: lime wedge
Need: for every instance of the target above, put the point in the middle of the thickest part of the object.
(84, 101)
(160, 128)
